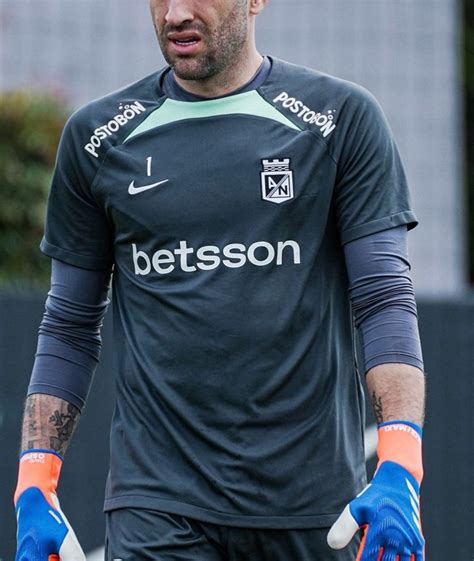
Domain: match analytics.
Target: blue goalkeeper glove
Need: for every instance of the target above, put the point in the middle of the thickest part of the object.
(388, 509)
(44, 534)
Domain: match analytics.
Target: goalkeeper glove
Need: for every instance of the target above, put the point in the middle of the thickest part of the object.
(388, 509)
(44, 534)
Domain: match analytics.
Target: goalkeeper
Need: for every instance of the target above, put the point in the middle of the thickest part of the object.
(252, 212)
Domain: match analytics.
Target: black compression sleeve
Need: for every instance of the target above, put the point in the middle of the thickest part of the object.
(69, 339)
(383, 299)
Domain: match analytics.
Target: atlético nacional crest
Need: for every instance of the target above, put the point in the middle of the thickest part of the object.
(277, 181)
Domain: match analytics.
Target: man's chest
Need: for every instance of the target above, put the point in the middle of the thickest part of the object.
(234, 173)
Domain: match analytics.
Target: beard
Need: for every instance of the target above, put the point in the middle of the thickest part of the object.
(221, 47)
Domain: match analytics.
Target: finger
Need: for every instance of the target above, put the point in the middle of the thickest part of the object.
(70, 548)
(371, 554)
(390, 555)
(343, 530)
(362, 544)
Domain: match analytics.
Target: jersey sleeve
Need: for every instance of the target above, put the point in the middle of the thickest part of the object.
(371, 187)
(77, 230)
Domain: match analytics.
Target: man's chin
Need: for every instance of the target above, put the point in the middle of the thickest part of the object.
(190, 68)
(187, 70)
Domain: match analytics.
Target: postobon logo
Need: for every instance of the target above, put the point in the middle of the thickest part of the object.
(323, 121)
(208, 257)
(128, 112)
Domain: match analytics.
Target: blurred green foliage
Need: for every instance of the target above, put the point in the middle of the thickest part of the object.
(30, 128)
(469, 110)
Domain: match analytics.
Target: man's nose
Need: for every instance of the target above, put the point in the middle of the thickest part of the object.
(179, 12)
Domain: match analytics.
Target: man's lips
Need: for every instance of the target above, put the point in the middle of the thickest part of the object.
(184, 42)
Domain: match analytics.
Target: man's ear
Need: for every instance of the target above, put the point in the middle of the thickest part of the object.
(256, 6)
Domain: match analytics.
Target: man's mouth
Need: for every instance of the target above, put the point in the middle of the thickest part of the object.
(184, 39)
(186, 42)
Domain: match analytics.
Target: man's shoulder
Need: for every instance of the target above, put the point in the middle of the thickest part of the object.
(314, 100)
(107, 120)
(314, 83)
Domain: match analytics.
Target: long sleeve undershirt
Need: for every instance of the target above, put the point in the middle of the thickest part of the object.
(380, 289)
(383, 299)
(69, 339)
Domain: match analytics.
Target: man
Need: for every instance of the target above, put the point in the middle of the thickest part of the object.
(249, 209)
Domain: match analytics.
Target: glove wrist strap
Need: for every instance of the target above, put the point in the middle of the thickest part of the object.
(38, 468)
(400, 442)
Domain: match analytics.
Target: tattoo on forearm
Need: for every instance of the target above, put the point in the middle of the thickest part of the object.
(48, 423)
(378, 408)
(30, 424)
(30, 418)
(64, 422)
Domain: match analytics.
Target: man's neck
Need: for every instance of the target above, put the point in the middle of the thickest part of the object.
(225, 82)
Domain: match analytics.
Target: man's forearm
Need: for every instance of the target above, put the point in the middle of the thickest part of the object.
(397, 392)
(48, 422)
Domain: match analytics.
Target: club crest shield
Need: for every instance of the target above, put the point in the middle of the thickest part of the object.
(277, 181)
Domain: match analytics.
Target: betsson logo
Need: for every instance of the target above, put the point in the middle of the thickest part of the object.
(208, 257)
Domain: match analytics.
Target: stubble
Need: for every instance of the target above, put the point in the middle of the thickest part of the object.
(223, 46)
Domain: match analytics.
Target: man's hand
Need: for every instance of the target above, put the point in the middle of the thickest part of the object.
(389, 512)
(44, 534)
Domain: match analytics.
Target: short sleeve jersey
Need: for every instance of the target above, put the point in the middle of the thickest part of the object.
(238, 399)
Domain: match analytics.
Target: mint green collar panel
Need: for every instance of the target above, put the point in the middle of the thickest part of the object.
(248, 103)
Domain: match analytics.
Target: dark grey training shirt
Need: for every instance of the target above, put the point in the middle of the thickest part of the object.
(237, 397)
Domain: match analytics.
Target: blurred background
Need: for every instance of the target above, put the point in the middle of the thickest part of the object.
(417, 57)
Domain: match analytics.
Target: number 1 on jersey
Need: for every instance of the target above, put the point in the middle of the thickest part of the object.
(148, 167)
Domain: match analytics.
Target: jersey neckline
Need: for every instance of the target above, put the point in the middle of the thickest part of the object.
(169, 88)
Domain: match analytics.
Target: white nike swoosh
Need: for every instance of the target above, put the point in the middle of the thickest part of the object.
(132, 190)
